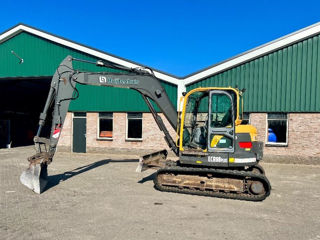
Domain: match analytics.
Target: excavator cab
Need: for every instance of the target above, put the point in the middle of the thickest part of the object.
(211, 130)
(209, 119)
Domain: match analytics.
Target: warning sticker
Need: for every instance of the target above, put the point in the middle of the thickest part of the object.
(56, 133)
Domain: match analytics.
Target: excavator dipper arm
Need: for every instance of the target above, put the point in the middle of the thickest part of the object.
(63, 90)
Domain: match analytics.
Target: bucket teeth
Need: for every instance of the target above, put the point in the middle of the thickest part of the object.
(140, 165)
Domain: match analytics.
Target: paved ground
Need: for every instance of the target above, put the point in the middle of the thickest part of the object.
(93, 197)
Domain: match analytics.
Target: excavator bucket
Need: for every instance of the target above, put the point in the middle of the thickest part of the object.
(35, 177)
(154, 160)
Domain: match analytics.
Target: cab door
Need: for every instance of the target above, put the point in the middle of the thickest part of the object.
(221, 129)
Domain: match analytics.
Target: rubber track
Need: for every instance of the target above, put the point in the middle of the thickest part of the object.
(219, 194)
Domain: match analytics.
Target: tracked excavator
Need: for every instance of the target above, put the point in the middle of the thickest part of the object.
(218, 156)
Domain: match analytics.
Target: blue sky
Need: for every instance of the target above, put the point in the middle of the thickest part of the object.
(178, 37)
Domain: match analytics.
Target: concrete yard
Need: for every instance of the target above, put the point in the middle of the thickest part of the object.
(96, 196)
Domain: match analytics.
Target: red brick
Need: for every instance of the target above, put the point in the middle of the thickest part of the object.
(303, 132)
(152, 137)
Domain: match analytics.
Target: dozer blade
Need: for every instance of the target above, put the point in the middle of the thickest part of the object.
(154, 160)
(35, 177)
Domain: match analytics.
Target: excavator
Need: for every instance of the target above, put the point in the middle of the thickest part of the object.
(217, 155)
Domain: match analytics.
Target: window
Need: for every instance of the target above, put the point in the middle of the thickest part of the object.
(221, 117)
(195, 121)
(105, 126)
(245, 118)
(134, 126)
(277, 129)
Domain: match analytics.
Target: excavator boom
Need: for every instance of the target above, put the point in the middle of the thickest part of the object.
(63, 90)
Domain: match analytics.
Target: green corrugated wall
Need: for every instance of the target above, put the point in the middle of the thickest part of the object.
(287, 80)
(42, 57)
(99, 99)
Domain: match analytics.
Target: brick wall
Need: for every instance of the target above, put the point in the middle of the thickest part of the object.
(303, 141)
(153, 138)
(303, 138)
(65, 141)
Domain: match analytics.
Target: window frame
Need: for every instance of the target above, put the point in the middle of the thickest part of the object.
(277, 144)
(127, 128)
(249, 118)
(98, 126)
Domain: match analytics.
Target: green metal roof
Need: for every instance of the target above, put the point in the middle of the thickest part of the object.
(287, 80)
(280, 76)
(42, 57)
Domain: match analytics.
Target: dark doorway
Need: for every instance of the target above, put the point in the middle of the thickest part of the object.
(22, 100)
(5, 133)
(79, 132)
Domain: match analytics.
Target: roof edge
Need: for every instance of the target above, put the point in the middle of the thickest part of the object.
(254, 53)
(15, 30)
(237, 60)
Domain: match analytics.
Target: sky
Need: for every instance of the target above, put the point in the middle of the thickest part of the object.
(179, 37)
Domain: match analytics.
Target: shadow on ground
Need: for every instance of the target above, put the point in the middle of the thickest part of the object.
(148, 178)
(54, 180)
